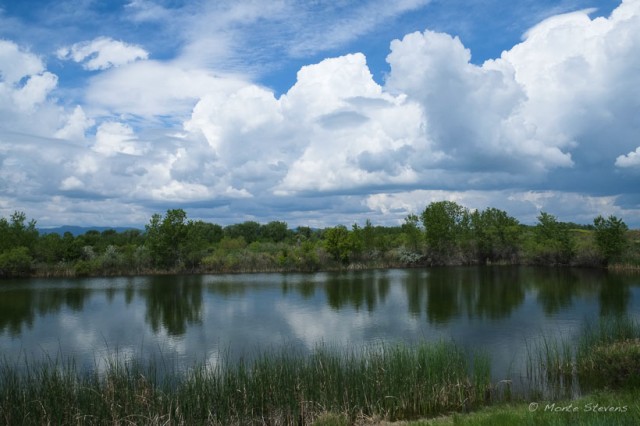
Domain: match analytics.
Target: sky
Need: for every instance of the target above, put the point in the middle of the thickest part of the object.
(318, 112)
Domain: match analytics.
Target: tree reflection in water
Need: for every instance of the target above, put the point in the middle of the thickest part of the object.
(615, 296)
(173, 302)
(447, 293)
(357, 289)
(20, 306)
(498, 292)
(16, 310)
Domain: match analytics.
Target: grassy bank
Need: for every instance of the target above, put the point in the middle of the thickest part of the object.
(600, 408)
(340, 386)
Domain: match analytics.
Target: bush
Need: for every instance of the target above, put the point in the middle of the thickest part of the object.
(608, 354)
(610, 237)
(111, 259)
(307, 257)
(15, 262)
(407, 257)
(615, 365)
(85, 268)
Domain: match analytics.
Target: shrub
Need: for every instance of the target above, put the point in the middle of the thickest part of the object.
(610, 237)
(16, 261)
(84, 268)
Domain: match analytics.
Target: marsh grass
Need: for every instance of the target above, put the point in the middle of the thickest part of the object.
(606, 355)
(550, 368)
(285, 387)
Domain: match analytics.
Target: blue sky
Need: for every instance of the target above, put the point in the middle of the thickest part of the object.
(318, 112)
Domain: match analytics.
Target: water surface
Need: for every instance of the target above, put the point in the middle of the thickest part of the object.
(187, 319)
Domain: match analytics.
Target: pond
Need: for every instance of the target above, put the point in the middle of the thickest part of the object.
(188, 319)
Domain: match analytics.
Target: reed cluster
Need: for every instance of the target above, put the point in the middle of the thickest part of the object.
(606, 355)
(285, 387)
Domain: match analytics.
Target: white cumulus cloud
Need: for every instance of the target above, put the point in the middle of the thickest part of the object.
(473, 112)
(102, 53)
(25, 89)
(113, 138)
(632, 159)
(356, 137)
(76, 125)
(34, 91)
(15, 64)
(24, 81)
(151, 88)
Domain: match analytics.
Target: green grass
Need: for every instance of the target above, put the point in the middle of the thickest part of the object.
(608, 354)
(550, 368)
(287, 387)
(602, 408)
(605, 356)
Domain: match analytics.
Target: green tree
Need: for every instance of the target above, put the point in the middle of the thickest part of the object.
(610, 235)
(16, 233)
(447, 227)
(248, 230)
(200, 237)
(338, 243)
(305, 233)
(91, 238)
(49, 248)
(355, 241)
(15, 262)
(496, 235)
(274, 231)
(71, 247)
(17, 243)
(165, 238)
(369, 243)
(412, 232)
(553, 241)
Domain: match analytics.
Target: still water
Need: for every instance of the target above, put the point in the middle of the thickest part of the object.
(203, 318)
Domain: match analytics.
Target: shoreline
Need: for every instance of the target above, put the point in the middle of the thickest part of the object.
(69, 272)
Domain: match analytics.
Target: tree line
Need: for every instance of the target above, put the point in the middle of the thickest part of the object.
(445, 233)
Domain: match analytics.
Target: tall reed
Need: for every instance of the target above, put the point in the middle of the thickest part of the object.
(608, 353)
(283, 387)
(550, 368)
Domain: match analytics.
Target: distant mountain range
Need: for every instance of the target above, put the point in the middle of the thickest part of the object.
(79, 230)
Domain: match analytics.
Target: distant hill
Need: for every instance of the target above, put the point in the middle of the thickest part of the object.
(79, 230)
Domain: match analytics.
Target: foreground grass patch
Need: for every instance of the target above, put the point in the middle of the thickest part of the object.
(605, 356)
(386, 381)
(608, 354)
(602, 408)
